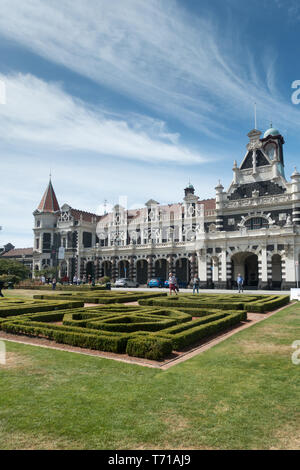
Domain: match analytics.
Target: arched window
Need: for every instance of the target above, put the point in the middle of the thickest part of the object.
(256, 222)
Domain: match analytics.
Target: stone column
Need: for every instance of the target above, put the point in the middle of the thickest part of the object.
(262, 269)
(209, 272)
(202, 269)
(269, 269)
(83, 267)
(171, 265)
(132, 274)
(114, 269)
(77, 266)
(192, 266)
(96, 268)
(150, 267)
(215, 270)
(229, 273)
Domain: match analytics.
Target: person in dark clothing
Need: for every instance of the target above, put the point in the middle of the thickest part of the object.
(196, 282)
(1, 287)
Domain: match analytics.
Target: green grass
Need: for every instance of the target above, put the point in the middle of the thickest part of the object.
(241, 394)
(12, 293)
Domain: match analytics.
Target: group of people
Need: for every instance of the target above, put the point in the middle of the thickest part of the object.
(173, 284)
(76, 281)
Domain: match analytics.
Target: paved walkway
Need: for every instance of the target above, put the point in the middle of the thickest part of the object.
(204, 291)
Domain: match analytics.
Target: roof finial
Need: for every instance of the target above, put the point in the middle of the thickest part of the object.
(50, 175)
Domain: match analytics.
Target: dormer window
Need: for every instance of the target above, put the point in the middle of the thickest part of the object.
(270, 150)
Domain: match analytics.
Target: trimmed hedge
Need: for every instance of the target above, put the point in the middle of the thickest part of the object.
(270, 305)
(30, 307)
(116, 344)
(149, 348)
(105, 298)
(188, 337)
(250, 303)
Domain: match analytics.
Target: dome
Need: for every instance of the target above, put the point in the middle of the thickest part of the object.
(271, 131)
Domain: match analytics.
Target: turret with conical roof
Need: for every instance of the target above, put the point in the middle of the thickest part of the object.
(46, 217)
(49, 201)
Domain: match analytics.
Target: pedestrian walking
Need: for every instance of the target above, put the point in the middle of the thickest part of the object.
(172, 283)
(196, 283)
(53, 283)
(240, 283)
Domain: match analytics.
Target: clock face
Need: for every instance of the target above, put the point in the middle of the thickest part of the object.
(270, 150)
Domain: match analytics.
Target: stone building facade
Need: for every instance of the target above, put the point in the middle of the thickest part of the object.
(253, 228)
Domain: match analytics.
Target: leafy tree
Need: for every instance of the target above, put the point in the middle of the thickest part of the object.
(13, 268)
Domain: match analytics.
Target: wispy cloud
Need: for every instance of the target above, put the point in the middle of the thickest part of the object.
(42, 113)
(153, 51)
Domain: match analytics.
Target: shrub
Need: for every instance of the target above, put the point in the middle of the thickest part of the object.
(187, 337)
(268, 305)
(149, 347)
(19, 308)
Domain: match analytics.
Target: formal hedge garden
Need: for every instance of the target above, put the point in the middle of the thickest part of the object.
(152, 328)
(142, 331)
(249, 303)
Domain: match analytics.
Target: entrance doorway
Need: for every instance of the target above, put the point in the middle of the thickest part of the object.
(142, 271)
(246, 264)
(124, 269)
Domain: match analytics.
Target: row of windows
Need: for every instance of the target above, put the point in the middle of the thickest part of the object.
(257, 222)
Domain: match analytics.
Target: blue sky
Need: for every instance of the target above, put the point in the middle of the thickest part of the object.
(134, 98)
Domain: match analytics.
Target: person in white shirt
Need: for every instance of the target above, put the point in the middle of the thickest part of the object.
(172, 283)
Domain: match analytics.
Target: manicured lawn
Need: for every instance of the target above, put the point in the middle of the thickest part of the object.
(241, 394)
(23, 292)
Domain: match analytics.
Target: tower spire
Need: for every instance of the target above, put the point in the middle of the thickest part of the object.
(49, 201)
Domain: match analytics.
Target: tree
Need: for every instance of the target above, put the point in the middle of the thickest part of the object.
(12, 271)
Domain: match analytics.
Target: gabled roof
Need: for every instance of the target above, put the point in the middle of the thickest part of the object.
(17, 252)
(86, 216)
(261, 160)
(49, 202)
